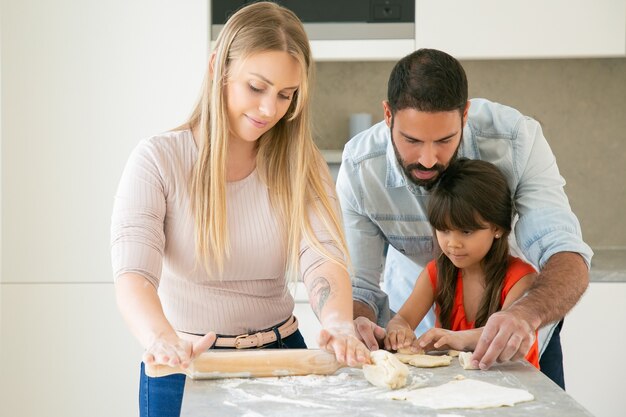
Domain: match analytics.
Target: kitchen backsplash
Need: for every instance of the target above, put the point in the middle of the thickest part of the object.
(581, 104)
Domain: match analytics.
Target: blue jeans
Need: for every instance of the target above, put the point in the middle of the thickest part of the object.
(551, 361)
(163, 396)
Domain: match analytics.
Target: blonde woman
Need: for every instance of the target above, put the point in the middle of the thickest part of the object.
(212, 220)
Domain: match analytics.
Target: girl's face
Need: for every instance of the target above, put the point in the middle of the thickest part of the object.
(259, 92)
(467, 248)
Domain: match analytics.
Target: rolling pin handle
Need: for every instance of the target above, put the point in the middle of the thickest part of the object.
(156, 371)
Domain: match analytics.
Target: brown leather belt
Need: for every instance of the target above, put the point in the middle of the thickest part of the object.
(259, 339)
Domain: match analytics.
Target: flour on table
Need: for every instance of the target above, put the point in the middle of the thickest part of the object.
(281, 399)
(466, 393)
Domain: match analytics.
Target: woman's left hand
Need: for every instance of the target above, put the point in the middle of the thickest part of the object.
(342, 340)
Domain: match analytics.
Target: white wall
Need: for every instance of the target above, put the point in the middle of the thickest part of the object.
(82, 82)
(593, 339)
(0, 183)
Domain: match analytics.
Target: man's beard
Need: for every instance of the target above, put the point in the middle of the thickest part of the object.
(408, 168)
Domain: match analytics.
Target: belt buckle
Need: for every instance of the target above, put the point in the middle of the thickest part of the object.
(238, 340)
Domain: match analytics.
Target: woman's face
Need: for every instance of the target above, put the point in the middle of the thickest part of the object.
(259, 92)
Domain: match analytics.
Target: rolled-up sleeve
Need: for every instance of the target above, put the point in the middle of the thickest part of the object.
(137, 235)
(546, 223)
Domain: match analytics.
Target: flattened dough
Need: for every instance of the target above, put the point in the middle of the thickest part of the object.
(408, 351)
(424, 361)
(465, 360)
(466, 393)
(387, 371)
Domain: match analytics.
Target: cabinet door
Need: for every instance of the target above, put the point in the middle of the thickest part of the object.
(361, 50)
(593, 340)
(65, 351)
(82, 82)
(522, 29)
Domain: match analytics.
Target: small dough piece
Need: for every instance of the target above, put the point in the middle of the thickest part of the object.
(405, 357)
(424, 361)
(453, 353)
(466, 393)
(387, 371)
(465, 359)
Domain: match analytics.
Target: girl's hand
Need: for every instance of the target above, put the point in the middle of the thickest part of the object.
(342, 340)
(442, 339)
(399, 335)
(173, 351)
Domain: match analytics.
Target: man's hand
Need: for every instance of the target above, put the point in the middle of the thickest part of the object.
(509, 334)
(369, 332)
(506, 337)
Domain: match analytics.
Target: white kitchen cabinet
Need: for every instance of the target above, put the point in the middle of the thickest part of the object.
(495, 29)
(82, 82)
(593, 340)
(361, 50)
(492, 29)
(66, 352)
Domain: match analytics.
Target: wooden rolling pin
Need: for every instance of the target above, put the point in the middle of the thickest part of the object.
(217, 364)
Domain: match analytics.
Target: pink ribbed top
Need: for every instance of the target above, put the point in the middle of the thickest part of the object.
(152, 234)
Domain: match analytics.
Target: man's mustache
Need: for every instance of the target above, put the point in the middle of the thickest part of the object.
(437, 167)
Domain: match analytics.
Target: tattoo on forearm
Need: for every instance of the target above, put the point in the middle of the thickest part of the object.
(320, 291)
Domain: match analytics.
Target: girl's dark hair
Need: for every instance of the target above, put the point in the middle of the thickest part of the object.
(469, 194)
(427, 80)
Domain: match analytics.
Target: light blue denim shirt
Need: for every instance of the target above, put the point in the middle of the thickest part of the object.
(381, 208)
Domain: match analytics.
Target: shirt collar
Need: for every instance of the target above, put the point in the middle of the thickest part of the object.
(395, 175)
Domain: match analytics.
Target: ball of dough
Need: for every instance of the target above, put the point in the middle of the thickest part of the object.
(387, 371)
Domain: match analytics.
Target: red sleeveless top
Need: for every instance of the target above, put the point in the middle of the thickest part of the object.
(517, 270)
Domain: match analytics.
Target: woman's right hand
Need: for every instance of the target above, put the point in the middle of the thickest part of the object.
(399, 334)
(173, 351)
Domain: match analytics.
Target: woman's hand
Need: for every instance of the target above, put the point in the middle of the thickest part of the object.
(442, 339)
(173, 351)
(141, 308)
(342, 340)
(400, 335)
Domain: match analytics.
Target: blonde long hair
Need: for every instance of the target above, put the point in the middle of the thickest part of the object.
(287, 159)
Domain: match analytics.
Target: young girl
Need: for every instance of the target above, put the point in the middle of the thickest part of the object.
(474, 276)
(212, 220)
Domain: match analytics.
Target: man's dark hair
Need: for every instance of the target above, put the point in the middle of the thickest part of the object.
(427, 80)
